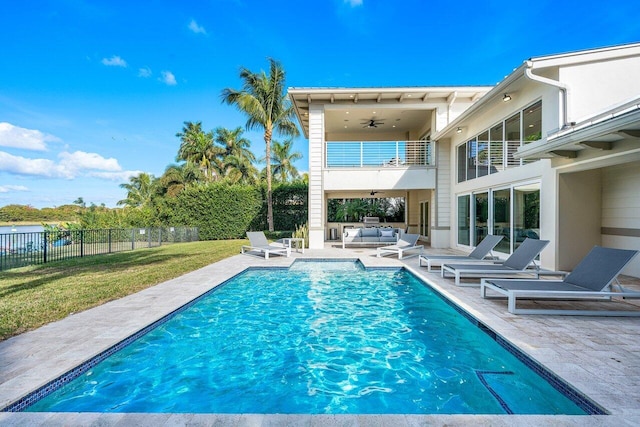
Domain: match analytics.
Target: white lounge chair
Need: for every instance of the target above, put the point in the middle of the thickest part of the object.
(592, 279)
(260, 244)
(482, 252)
(519, 262)
(406, 243)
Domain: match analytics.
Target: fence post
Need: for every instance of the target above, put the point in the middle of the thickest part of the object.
(44, 247)
(133, 238)
(109, 240)
(81, 243)
(160, 236)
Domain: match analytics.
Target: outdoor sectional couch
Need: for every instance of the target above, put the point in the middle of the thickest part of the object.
(370, 236)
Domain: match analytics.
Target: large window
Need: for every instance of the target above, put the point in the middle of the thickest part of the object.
(511, 212)
(493, 149)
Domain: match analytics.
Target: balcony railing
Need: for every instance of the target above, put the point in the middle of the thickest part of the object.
(366, 154)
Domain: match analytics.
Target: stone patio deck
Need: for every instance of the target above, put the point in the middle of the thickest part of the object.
(598, 356)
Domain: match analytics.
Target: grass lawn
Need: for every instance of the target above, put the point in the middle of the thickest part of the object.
(33, 296)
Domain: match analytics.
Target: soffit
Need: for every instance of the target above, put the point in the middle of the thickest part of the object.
(601, 132)
(407, 108)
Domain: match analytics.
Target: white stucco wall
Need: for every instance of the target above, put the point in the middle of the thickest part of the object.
(595, 86)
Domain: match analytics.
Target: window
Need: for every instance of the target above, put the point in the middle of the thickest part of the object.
(464, 220)
(512, 127)
(493, 149)
(472, 154)
(462, 162)
(483, 154)
(532, 122)
(496, 148)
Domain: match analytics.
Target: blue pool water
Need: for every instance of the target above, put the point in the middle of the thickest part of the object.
(326, 337)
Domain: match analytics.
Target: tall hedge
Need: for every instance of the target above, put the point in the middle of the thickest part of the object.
(219, 210)
(290, 207)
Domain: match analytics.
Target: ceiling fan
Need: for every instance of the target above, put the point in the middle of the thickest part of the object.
(372, 123)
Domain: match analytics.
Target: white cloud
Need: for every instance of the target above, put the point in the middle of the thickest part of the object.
(70, 166)
(198, 29)
(79, 160)
(354, 3)
(11, 188)
(27, 139)
(168, 78)
(122, 176)
(114, 61)
(144, 72)
(35, 167)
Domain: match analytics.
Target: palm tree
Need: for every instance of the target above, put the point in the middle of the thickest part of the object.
(283, 159)
(240, 169)
(177, 177)
(140, 190)
(197, 147)
(233, 144)
(263, 99)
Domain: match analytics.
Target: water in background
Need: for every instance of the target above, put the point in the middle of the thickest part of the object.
(6, 229)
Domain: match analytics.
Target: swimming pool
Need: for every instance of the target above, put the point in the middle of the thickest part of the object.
(326, 337)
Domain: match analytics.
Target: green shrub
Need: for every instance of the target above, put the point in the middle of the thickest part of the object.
(290, 207)
(219, 210)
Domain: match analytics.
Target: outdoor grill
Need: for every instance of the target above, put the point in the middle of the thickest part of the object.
(371, 221)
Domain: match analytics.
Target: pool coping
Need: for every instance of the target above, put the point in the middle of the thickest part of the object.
(28, 362)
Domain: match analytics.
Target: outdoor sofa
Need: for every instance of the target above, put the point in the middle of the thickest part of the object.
(374, 236)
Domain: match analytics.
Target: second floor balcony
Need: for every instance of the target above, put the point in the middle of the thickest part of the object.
(376, 154)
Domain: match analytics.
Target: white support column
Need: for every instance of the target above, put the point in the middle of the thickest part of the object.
(316, 164)
(441, 228)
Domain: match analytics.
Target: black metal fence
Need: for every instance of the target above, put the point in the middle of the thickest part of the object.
(22, 249)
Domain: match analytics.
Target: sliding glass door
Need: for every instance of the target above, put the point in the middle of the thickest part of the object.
(502, 218)
(464, 220)
(512, 212)
(481, 213)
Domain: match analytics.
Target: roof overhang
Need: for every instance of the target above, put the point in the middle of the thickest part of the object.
(600, 132)
(387, 97)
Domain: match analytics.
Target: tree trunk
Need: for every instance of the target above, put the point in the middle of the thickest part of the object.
(267, 140)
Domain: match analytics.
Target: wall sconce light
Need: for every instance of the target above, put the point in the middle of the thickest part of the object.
(459, 130)
(506, 97)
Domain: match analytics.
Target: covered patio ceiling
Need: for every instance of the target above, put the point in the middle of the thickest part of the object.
(398, 110)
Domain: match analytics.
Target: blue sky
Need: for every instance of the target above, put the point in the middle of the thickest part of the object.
(92, 92)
